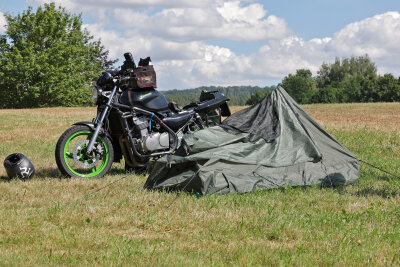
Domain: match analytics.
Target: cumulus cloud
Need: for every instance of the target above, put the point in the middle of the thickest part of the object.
(228, 21)
(158, 48)
(377, 36)
(184, 20)
(3, 22)
(175, 34)
(93, 5)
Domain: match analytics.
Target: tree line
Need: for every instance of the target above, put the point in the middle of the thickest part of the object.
(238, 95)
(346, 80)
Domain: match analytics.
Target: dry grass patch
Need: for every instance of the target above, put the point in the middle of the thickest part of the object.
(377, 116)
(53, 221)
(353, 116)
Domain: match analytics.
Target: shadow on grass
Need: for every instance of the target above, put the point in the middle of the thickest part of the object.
(40, 173)
(381, 177)
(380, 192)
(116, 171)
(384, 177)
(4, 179)
(54, 173)
(334, 180)
(48, 173)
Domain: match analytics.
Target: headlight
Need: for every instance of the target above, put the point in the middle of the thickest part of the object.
(96, 93)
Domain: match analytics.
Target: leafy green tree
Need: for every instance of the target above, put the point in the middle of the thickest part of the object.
(329, 94)
(47, 59)
(323, 79)
(300, 86)
(359, 88)
(370, 89)
(334, 74)
(257, 97)
(355, 80)
(353, 88)
(362, 66)
(389, 88)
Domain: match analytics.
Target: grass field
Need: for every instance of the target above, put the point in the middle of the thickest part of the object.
(50, 220)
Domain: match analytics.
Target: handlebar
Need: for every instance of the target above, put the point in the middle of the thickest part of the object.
(121, 79)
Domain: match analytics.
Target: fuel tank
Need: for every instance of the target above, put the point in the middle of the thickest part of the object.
(148, 99)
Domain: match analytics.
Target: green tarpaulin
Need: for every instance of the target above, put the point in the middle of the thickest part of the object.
(240, 157)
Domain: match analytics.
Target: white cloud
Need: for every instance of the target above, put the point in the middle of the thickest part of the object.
(174, 33)
(229, 21)
(184, 20)
(157, 48)
(3, 22)
(79, 5)
(378, 36)
(232, 11)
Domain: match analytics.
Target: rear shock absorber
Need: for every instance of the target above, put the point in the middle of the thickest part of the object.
(199, 121)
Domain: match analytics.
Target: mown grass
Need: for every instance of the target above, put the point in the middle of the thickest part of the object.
(54, 221)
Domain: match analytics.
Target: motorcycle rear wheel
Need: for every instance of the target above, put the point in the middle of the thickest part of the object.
(71, 155)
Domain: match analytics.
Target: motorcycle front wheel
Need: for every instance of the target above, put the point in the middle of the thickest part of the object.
(72, 159)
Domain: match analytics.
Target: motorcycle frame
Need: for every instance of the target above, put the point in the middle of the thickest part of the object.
(126, 137)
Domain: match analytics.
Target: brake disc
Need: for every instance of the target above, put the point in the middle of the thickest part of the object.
(84, 161)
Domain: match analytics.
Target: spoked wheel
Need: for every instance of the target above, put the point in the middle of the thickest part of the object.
(71, 156)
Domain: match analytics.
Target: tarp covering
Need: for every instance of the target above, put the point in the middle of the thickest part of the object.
(259, 119)
(287, 148)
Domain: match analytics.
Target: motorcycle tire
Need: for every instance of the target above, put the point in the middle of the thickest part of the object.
(71, 156)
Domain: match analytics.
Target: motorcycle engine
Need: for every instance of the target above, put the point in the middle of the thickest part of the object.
(155, 141)
(149, 142)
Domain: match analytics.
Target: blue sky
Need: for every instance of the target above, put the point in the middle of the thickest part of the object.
(239, 42)
(317, 18)
(322, 18)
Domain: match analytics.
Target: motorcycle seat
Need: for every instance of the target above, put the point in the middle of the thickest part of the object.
(174, 107)
(177, 120)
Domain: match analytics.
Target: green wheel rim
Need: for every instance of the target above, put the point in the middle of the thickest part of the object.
(95, 170)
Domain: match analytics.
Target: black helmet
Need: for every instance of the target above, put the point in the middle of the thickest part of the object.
(18, 164)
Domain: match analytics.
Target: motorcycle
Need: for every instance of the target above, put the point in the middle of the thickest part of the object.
(134, 122)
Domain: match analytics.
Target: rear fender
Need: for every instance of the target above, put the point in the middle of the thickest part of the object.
(212, 100)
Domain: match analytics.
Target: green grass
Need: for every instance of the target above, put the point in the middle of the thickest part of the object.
(54, 221)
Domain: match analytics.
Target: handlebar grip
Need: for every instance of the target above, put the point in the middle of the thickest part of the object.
(126, 79)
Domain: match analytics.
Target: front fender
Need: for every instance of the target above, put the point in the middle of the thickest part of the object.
(93, 128)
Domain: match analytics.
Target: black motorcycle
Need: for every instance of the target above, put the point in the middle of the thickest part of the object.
(134, 121)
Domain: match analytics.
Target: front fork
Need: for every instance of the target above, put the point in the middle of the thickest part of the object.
(99, 122)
